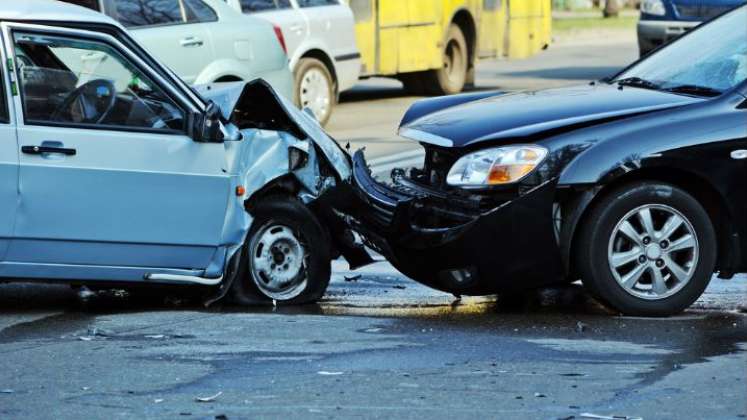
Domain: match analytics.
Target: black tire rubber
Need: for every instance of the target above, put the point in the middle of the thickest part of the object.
(590, 252)
(294, 214)
(439, 82)
(303, 66)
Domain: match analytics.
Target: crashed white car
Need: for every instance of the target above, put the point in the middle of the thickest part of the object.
(115, 171)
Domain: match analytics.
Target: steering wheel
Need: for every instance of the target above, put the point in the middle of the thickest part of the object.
(96, 98)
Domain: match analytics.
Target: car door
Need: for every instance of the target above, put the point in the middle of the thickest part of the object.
(330, 22)
(170, 30)
(108, 176)
(8, 166)
(282, 14)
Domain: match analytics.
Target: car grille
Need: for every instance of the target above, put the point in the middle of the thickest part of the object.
(700, 11)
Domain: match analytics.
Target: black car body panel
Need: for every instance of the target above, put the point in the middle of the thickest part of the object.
(532, 114)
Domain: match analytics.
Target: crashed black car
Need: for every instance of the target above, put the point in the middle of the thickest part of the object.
(636, 184)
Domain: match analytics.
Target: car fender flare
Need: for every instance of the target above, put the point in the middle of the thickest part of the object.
(222, 68)
(578, 203)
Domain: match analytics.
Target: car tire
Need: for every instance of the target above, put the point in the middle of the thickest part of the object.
(452, 77)
(622, 272)
(315, 88)
(285, 258)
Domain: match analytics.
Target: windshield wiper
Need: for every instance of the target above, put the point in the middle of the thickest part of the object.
(638, 82)
(695, 90)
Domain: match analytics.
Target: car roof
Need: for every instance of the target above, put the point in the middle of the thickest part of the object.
(50, 11)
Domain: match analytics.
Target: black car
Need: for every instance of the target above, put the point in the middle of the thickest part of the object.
(637, 184)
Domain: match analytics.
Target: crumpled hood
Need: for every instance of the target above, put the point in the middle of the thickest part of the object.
(256, 105)
(528, 114)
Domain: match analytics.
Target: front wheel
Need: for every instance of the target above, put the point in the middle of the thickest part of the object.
(285, 258)
(647, 249)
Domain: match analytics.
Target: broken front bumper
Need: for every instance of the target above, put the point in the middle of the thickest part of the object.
(449, 243)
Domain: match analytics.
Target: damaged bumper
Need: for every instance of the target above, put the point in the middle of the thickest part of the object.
(452, 242)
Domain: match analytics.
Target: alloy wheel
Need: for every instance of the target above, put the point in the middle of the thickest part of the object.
(653, 252)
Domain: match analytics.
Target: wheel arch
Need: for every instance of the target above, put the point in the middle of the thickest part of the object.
(326, 60)
(228, 78)
(286, 185)
(579, 204)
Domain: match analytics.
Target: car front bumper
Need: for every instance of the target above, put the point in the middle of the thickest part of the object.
(438, 240)
(654, 33)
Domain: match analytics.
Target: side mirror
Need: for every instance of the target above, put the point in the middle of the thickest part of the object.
(206, 125)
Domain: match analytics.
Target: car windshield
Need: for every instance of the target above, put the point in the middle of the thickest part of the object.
(707, 62)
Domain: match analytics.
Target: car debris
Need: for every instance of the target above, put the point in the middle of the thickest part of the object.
(209, 399)
(612, 417)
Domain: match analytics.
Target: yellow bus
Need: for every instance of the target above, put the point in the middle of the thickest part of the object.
(432, 45)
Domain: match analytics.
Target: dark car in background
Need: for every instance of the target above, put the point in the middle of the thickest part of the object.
(664, 20)
(636, 185)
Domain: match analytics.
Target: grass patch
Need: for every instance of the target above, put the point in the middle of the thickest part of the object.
(586, 23)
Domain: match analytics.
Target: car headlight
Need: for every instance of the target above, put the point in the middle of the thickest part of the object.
(497, 166)
(653, 7)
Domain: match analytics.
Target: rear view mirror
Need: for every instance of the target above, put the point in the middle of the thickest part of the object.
(207, 125)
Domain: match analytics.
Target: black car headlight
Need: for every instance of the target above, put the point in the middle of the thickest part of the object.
(496, 166)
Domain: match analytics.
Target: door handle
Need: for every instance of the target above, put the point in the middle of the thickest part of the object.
(191, 42)
(38, 150)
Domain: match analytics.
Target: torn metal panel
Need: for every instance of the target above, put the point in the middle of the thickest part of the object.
(272, 128)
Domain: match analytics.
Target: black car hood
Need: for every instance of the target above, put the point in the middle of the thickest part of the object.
(526, 115)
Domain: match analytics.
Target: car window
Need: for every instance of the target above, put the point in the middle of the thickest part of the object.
(249, 6)
(713, 57)
(315, 3)
(197, 11)
(65, 80)
(135, 13)
(91, 4)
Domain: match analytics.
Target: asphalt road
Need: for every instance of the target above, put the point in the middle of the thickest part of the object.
(378, 345)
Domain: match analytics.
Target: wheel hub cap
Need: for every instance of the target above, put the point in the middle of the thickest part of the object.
(278, 262)
(315, 93)
(653, 252)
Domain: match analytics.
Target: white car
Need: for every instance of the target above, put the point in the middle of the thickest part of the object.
(320, 38)
(203, 41)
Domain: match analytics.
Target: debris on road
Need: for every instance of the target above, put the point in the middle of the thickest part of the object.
(326, 373)
(612, 417)
(85, 293)
(539, 395)
(155, 336)
(581, 327)
(399, 286)
(158, 400)
(353, 278)
(6, 391)
(209, 399)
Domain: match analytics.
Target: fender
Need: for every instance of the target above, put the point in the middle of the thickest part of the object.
(224, 67)
(621, 151)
